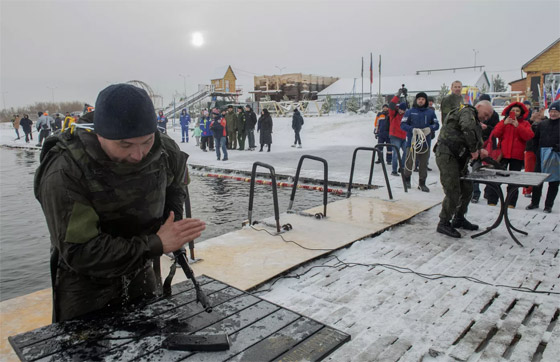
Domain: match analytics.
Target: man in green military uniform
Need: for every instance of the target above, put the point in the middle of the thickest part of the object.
(113, 196)
(240, 127)
(231, 121)
(459, 140)
(451, 101)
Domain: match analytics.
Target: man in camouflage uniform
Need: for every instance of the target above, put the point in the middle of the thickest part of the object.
(451, 101)
(459, 140)
(112, 195)
(240, 127)
(231, 121)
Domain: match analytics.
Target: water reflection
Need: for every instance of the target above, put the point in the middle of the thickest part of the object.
(25, 241)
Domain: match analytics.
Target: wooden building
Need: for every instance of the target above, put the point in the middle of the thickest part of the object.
(543, 72)
(223, 84)
(294, 86)
(519, 85)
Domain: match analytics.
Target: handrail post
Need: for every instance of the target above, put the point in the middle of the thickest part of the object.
(274, 192)
(325, 180)
(374, 150)
(399, 160)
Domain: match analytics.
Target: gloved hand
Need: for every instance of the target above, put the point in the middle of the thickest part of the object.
(426, 131)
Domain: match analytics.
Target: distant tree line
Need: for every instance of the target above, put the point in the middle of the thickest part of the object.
(58, 107)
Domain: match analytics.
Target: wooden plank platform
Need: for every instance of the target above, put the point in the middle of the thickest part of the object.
(258, 330)
(249, 257)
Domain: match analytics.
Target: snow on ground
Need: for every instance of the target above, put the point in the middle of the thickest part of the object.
(391, 315)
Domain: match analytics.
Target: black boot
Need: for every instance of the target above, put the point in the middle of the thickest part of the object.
(531, 206)
(268, 148)
(423, 187)
(444, 227)
(461, 222)
(407, 182)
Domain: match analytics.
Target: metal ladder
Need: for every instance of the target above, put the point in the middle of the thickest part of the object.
(325, 185)
(378, 149)
(274, 192)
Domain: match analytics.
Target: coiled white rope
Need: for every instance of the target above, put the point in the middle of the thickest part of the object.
(416, 147)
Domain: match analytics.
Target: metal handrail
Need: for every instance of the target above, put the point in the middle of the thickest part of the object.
(274, 192)
(374, 151)
(399, 160)
(325, 181)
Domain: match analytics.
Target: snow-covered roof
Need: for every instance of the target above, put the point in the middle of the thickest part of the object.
(414, 83)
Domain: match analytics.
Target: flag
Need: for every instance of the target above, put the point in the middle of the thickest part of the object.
(371, 68)
(470, 96)
(544, 96)
(557, 96)
(379, 63)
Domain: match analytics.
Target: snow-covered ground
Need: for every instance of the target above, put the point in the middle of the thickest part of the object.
(391, 315)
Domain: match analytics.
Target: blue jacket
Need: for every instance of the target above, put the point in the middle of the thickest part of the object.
(185, 119)
(205, 127)
(417, 117)
(383, 124)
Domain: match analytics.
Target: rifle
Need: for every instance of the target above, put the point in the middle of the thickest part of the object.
(181, 258)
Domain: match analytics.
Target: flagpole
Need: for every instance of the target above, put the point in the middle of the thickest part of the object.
(379, 92)
(362, 82)
(370, 74)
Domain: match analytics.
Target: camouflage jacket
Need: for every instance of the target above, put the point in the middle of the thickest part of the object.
(231, 122)
(461, 132)
(103, 215)
(449, 103)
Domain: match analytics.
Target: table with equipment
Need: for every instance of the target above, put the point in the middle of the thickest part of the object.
(516, 179)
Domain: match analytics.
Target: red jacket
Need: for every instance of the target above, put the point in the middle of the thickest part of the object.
(513, 139)
(395, 119)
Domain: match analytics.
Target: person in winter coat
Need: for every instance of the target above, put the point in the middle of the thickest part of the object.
(26, 125)
(44, 125)
(264, 126)
(231, 120)
(219, 129)
(547, 135)
(240, 125)
(15, 123)
(250, 123)
(207, 138)
(396, 135)
(531, 148)
(185, 120)
(419, 122)
(382, 125)
(162, 122)
(297, 123)
(512, 132)
(196, 134)
(57, 122)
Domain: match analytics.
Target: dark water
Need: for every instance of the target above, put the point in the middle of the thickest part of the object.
(24, 239)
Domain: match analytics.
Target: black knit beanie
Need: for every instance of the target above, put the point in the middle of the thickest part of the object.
(124, 111)
(423, 95)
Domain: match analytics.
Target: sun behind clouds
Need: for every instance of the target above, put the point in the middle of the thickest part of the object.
(197, 39)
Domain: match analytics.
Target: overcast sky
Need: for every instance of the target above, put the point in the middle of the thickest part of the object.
(79, 47)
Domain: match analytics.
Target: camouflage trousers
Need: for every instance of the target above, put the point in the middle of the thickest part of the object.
(458, 193)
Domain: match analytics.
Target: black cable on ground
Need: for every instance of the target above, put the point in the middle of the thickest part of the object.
(399, 269)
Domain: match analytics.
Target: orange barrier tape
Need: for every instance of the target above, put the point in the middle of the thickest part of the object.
(268, 182)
